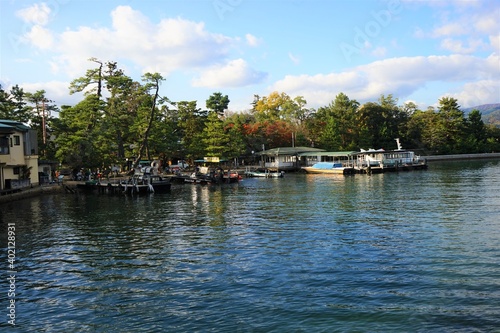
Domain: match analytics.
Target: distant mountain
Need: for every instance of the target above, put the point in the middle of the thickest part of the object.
(490, 113)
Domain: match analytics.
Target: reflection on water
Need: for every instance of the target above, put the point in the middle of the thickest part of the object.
(415, 251)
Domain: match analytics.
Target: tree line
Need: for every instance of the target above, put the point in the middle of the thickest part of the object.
(119, 118)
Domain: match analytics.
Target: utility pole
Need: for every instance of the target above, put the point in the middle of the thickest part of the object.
(44, 127)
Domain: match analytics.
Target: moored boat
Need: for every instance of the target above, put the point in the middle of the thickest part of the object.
(329, 167)
(205, 175)
(380, 160)
(264, 173)
(140, 183)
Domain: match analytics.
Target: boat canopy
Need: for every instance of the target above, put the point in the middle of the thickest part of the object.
(328, 153)
(289, 151)
(327, 165)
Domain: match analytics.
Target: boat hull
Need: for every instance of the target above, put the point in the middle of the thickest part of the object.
(111, 188)
(264, 174)
(337, 171)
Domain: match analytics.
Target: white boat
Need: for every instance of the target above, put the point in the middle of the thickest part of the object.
(264, 173)
(339, 162)
(329, 167)
(380, 160)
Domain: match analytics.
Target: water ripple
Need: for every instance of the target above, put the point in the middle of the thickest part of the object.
(413, 251)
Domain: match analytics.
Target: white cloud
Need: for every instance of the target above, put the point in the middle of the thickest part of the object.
(450, 29)
(379, 52)
(458, 46)
(38, 14)
(40, 37)
(495, 43)
(235, 73)
(478, 93)
(457, 20)
(489, 23)
(449, 3)
(54, 90)
(252, 40)
(170, 45)
(398, 76)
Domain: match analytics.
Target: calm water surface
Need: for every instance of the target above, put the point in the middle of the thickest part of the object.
(408, 252)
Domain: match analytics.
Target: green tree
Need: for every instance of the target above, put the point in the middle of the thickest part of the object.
(191, 122)
(243, 126)
(476, 132)
(451, 126)
(153, 81)
(120, 111)
(410, 108)
(339, 130)
(380, 123)
(217, 103)
(236, 145)
(6, 105)
(371, 125)
(13, 105)
(77, 131)
(41, 118)
(92, 77)
(164, 140)
(492, 138)
(214, 136)
(22, 111)
(421, 130)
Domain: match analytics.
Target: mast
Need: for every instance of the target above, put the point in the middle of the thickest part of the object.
(399, 144)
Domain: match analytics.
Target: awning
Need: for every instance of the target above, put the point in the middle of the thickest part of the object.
(288, 151)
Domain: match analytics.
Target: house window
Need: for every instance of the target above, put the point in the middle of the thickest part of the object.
(4, 146)
(17, 140)
(16, 170)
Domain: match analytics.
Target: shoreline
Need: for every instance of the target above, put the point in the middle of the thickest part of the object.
(32, 192)
(66, 186)
(456, 157)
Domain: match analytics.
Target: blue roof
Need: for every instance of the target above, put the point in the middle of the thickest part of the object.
(5, 123)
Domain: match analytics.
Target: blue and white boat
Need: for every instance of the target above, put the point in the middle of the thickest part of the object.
(329, 167)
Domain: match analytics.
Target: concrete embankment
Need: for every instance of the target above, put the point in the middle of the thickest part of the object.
(461, 157)
(32, 192)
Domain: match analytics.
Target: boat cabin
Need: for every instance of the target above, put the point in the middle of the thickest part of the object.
(344, 158)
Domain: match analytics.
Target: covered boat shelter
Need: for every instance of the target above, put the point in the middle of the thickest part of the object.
(285, 158)
(344, 157)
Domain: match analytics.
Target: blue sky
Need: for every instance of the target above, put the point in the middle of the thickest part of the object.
(415, 50)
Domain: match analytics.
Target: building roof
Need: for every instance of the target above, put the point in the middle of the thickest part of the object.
(328, 153)
(6, 129)
(13, 125)
(289, 151)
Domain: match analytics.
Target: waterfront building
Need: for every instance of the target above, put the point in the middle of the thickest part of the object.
(285, 158)
(18, 156)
